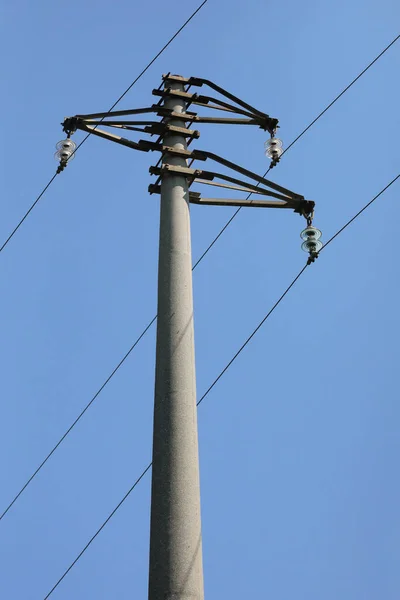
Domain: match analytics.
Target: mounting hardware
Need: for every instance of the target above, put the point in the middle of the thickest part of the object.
(234, 112)
(69, 125)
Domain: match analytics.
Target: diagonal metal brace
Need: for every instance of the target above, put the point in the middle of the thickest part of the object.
(195, 174)
(199, 82)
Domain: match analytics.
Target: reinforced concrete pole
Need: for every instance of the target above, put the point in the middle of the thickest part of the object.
(176, 569)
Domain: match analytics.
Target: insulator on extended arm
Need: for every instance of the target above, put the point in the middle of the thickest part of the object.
(311, 243)
(65, 151)
(274, 150)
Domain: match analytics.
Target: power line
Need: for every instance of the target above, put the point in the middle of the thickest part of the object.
(27, 213)
(144, 71)
(359, 212)
(199, 402)
(108, 112)
(196, 263)
(98, 531)
(62, 438)
(151, 322)
(343, 92)
(261, 323)
(297, 139)
(221, 375)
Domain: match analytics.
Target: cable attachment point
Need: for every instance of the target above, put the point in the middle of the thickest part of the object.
(311, 244)
(274, 150)
(69, 125)
(309, 218)
(65, 153)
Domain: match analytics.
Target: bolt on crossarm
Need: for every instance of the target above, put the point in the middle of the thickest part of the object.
(176, 568)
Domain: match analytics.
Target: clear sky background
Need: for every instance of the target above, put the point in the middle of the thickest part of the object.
(299, 441)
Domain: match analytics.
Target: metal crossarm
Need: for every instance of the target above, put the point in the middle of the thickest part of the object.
(198, 81)
(196, 175)
(286, 198)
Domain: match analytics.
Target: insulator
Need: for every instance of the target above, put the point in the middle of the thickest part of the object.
(311, 233)
(311, 236)
(311, 246)
(65, 150)
(66, 145)
(273, 148)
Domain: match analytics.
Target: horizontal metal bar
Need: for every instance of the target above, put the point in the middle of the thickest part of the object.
(232, 187)
(224, 121)
(119, 113)
(119, 123)
(162, 128)
(127, 128)
(158, 127)
(195, 198)
(183, 117)
(236, 202)
(154, 108)
(222, 108)
(211, 175)
(117, 126)
(176, 169)
(193, 133)
(175, 93)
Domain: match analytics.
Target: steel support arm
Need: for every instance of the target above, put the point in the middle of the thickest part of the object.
(198, 81)
(197, 199)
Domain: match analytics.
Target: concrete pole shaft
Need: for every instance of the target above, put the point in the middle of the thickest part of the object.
(176, 570)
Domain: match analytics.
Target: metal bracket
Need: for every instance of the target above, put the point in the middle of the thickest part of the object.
(203, 156)
(163, 128)
(196, 198)
(241, 113)
(256, 117)
(287, 200)
(199, 82)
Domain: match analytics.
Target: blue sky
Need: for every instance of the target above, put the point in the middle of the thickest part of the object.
(299, 443)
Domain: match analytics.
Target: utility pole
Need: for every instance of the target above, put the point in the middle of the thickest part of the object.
(176, 569)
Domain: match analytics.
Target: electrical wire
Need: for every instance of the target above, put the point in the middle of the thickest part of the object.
(62, 438)
(221, 375)
(143, 72)
(359, 213)
(199, 402)
(98, 531)
(194, 266)
(297, 139)
(27, 213)
(108, 112)
(342, 92)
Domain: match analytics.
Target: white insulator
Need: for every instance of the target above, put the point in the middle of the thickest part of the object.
(311, 246)
(273, 148)
(310, 233)
(66, 145)
(311, 236)
(65, 150)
